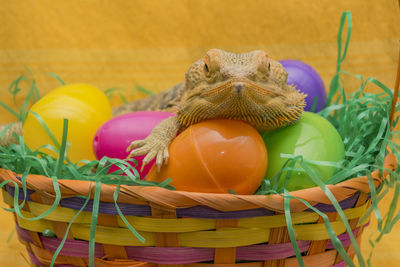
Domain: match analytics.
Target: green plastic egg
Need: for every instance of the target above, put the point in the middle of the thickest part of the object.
(313, 137)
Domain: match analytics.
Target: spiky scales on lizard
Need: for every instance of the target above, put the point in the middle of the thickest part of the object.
(250, 87)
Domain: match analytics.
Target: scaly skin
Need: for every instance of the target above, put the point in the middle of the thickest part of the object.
(249, 87)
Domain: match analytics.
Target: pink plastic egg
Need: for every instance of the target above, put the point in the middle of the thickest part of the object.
(114, 136)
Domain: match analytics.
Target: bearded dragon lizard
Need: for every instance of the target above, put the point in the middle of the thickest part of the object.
(250, 87)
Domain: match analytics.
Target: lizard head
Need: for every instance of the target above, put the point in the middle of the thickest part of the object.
(249, 87)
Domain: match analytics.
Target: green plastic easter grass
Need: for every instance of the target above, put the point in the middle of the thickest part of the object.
(93, 224)
(57, 78)
(116, 90)
(110, 92)
(288, 168)
(360, 117)
(362, 121)
(143, 90)
(68, 229)
(368, 144)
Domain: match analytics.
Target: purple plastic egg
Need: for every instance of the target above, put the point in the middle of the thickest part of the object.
(114, 136)
(307, 80)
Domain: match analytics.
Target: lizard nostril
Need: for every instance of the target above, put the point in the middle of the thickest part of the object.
(239, 87)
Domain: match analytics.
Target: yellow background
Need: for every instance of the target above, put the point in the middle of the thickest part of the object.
(125, 43)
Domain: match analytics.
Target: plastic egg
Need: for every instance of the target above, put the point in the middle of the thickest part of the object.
(307, 80)
(84, 120)
(114, 136)
(214, 156)
(87, 93)
(314, 138)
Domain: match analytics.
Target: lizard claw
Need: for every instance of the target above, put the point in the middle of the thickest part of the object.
(152, 148)
(156, 144)
(162, 159)
(135, 144)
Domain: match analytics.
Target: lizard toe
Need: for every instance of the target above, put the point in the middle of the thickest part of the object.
(149, 157)
(139, 151)
(160, 160)
(166, 156)
(136, 144)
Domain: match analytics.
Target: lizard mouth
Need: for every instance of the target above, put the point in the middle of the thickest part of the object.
(263, 106)
(241, 90)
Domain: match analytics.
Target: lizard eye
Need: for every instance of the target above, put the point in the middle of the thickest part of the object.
(206, 69)
(269, 66)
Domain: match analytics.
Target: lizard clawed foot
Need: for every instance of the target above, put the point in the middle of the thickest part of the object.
(152, 148)
(156, 144)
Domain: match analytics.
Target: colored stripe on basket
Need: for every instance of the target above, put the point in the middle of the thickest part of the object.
(180, 255)
(193, 212)
(225, 237)
(183, 225)
(34, 260)
(253, 264)
(340, 264)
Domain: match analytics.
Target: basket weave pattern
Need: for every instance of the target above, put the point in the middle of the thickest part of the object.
(187, 229)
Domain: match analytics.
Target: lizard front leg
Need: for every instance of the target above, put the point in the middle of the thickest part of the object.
(156, 144)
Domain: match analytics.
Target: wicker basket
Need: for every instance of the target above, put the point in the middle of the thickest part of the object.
(187, 229)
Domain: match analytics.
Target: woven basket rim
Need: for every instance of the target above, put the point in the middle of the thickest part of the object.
(169, 199)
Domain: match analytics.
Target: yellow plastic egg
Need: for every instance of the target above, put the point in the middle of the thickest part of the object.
(85, 116)
(87, 93)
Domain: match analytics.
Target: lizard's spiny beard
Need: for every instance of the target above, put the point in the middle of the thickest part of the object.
(265, 109)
